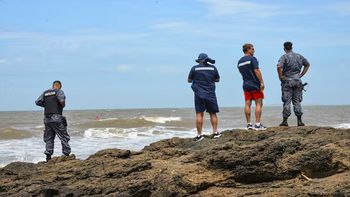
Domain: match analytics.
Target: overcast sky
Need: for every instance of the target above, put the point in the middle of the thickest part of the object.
(138, 53)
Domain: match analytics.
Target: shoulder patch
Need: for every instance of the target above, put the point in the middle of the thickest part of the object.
(51, 93)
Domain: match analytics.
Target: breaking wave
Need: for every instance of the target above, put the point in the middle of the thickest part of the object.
(142, 121)
(11, 133)
(161, 119)
(342, 126)
(132, 133)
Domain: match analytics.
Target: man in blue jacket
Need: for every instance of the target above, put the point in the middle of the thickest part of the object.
(203, 77)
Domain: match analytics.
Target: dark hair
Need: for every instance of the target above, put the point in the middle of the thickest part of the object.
(288, 46)
(246, 47)
(57, 82)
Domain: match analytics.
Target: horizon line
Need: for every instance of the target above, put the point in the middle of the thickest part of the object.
(137, 108)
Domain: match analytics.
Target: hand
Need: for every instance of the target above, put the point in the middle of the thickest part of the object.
(262, 86)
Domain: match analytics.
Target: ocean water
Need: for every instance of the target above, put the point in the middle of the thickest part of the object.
(92, 130)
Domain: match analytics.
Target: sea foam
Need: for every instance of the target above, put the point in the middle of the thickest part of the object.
(161, 119)
(342, 126)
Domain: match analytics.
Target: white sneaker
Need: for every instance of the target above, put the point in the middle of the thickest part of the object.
(260, 127)
(249, 126)
(216, 135)
(198, 138)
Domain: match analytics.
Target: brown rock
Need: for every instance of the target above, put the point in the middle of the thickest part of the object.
(292, 161)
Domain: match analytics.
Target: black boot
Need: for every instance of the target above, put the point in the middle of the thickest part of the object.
(48, 157)
(300, 122)
(284, 122)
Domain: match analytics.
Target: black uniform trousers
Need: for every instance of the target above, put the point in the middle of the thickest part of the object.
(56, 124)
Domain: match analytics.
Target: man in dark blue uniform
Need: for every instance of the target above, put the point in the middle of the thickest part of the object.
(203, 77)
(53, 101)
(289, 71)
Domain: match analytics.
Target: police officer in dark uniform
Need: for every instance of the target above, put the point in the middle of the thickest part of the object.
(53, 101)
(290, 72)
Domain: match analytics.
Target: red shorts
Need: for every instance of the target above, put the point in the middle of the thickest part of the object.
(253, 95)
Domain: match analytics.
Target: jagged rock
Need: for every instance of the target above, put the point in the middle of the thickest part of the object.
(19, 169)
(116, 153)
(292, 161)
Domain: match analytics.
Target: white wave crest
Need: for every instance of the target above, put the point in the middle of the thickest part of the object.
(342, 126)
(106, 119)
(40, 126)
(139, 132)
(23, 156)
(161, 119)
(168, 132)
(109, 132)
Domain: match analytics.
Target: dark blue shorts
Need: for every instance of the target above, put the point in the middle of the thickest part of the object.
(210, 105)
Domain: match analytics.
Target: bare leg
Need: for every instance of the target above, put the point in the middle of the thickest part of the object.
(258, 109)
(199, 122)
(214, 122)
(247, 110)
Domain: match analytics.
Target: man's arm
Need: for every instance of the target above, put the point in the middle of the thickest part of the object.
(40, 100)
(279, 71)
(217, 76)
(190, 76)
(63, 103)
(61, 98)
(306, 65)
(259, 75)
(305, 69)
(280, 64)
(257, 72)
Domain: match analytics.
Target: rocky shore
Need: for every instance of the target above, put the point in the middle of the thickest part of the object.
(290, 161)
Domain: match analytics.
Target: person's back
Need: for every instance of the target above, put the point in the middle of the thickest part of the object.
(53, 101)
(246, 66)
(292, 64)
(203, 77)
(253, 85)
(290, 71)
